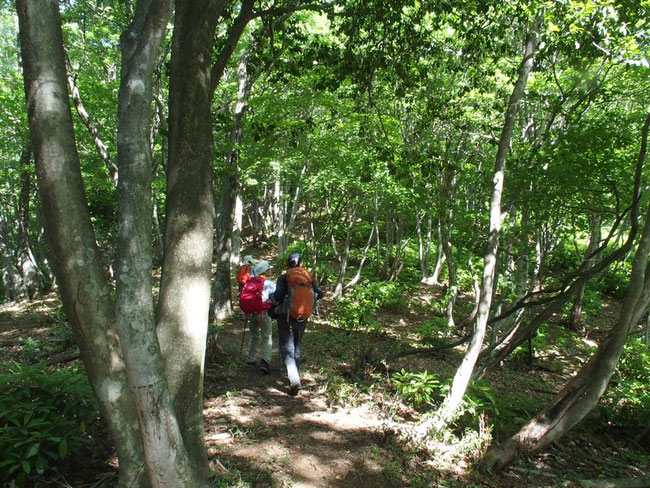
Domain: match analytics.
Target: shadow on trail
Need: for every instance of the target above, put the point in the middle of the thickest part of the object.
(255, 428)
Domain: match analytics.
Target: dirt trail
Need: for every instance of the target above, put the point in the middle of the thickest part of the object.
(300, 441)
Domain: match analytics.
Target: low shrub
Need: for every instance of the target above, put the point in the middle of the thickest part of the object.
(628, 396)
(43, 419)
(430, 332)
(350, 314)
(417, 389)
(614, 281)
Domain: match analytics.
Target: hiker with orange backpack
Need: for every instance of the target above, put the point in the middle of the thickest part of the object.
(254, 300)
(245, 271)
(295, 294)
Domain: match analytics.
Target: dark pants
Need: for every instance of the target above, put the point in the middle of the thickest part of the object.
(289, 339)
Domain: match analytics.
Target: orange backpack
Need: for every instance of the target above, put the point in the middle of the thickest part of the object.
(301, 295)
(243, 274)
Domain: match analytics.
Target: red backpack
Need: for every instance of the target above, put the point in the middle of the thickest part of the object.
(244, 274)
(250, 299)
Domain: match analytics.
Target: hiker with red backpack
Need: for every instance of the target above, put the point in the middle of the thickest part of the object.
(245, 271)
(295, 294)
(254, 300)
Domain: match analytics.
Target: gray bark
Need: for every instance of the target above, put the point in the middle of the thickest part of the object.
(83, 285)
(222, 287)
(235, 246)
(182, 313)
(167, 461)
(357, 275)
(92, 128)
(449, 408)
(575, 319)
(440, 256)
(343, 256)
(30, 275)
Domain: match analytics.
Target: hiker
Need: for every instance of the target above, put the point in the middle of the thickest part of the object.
(294, 296)
(254, 302)
(245, 271)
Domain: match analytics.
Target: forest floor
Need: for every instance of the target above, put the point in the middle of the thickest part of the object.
(344, 428)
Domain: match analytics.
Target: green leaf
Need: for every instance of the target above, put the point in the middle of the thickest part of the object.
(63, 448)
(33, 450)
(27, 468)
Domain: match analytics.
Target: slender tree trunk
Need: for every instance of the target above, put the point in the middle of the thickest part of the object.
(343, 257)
(289, 219)
(31, 276)
(440, 256)
(222, 288)
(521, 268)
(579, 397)
(92, 128)
(447, 193)
(235, 246)
(83, 285)
(10, 274)
(245, 83)
(575, 319)
(401, 244)
(452, 289)
(449, 408)
(357, 275)
(424, 245)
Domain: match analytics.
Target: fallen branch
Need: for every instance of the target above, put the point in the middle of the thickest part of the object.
(63, 357)
(428, 350)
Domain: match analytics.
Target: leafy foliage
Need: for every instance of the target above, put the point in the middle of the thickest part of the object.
(417, 389)
(629, 393)
(44, 419)
(356, 311)
(430, 331)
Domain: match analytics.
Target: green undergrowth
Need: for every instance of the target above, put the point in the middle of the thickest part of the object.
(45, 418)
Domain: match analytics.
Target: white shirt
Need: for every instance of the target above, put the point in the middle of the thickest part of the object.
(267, 291)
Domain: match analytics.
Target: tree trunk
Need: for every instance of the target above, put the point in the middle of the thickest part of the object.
(10, 274)
(446, 216)
(83, 285)
(235, 244)
(521, 268)
(182, 313)
(357, 275)
(575, 319)
(290, 218)
(421, 245)
(30, 274)
(222, 288)
(449, 408)
(343, 257)
(92, 128)
(440, 257)
(167, 460)
(577, 398)
(245, 83)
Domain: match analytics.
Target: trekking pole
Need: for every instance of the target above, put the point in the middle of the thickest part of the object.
(241, 348)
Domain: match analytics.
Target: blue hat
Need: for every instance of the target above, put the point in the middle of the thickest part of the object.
(294, 259)
(261, 267)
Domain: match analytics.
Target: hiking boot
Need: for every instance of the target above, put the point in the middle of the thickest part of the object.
(265, 367)
(295, 388)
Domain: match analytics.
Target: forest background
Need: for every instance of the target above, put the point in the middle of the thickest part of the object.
(466, 180)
